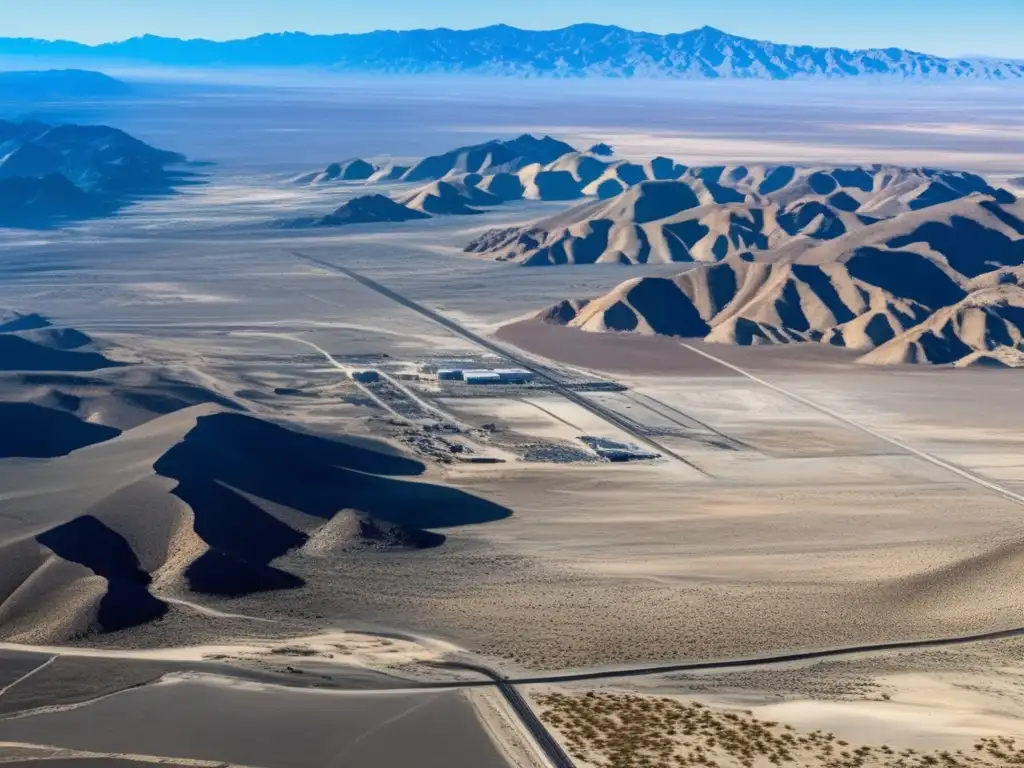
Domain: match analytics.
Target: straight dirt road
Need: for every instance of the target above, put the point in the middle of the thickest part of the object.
(567, 392)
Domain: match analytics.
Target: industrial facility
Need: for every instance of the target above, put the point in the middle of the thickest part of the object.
(487, 375)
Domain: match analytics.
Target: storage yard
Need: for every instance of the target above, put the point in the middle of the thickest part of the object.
(477, 409)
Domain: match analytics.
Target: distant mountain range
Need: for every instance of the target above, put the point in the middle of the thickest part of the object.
(580, 50)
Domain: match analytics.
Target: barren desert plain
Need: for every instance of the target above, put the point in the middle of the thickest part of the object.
(243, 522)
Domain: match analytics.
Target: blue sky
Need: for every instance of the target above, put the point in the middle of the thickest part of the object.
(948, 27)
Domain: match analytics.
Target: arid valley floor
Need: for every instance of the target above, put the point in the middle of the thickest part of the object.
(801, 502)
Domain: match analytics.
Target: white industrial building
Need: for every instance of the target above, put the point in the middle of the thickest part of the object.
(487, 375)
(515, 375)
(481, 377)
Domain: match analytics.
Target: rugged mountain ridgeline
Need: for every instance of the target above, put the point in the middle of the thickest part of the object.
(879, 258)
(709, 213)
(939, 285)
(580, 50)
(487, 159)
(680, 213)
(459, 182)
(52, 174)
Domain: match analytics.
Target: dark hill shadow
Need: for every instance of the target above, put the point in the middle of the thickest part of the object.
(971, 248)
(66, 339)
(228, 460)
(315, 475)
(18, 354)
(12, 322)
(659, 199)
(667, 309)
(88, 542)
(776, 179)
(812, 276)
(28, 430)
(217, 573)
(905, 274)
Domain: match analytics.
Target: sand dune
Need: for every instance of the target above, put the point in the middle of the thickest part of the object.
(351, 531)
(29, 343)
(121, 398)
(30, 430)
(45, 597)
(207, 503)
(933, 285)
(50, 406)
(57, 338)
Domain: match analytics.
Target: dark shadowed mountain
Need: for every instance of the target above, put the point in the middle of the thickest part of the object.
(368, 209)
(50, 174)
(576, 51)
(59, 84)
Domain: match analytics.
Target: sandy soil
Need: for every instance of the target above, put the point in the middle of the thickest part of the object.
(795, 531)
(248, 725)
(610, 352)
(915, 704)
(799, 530)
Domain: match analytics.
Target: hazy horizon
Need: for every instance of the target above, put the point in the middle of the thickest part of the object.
(939, 28)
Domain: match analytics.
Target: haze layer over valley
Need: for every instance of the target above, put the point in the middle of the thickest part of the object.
(555, 381)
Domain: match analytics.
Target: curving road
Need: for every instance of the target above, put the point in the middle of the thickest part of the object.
(769, 661)
(548, 743)
(507, 686)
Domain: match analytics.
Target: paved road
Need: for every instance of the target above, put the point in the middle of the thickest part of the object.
(768, 661)
(548, 743)
(987, 484)
(491, 346)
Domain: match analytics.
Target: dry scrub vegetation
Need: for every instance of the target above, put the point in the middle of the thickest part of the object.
(626, 731)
